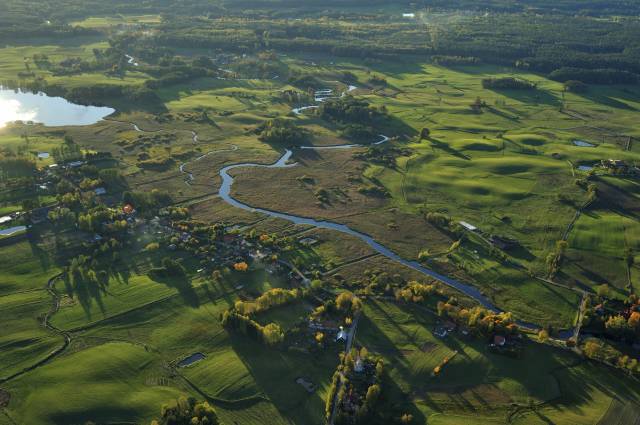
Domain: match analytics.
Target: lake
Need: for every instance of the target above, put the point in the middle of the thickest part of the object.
(47, 110)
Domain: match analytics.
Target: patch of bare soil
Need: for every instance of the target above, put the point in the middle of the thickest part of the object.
(5, 397)
(428, 347)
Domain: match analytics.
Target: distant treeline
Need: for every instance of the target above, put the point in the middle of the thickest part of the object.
(540, 44)
(594, 76)
(543, 36)
(509, 83)
(68, 10)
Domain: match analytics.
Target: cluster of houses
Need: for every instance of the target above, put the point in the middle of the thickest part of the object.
(619, 166)
(7, 219)
(504, 344)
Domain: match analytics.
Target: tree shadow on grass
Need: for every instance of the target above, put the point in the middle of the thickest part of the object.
(182, 284)
(304, 156)
(444, 146)
(275, 371)
(596, 96)
(577, 385)
(87, 293)
(532, 97)
(521, 253)
(38, 252)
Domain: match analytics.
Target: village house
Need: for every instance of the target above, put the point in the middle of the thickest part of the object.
(469, 227)
(342, 335)
(499, 341)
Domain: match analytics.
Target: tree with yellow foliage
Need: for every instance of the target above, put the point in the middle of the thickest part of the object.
(241, 267)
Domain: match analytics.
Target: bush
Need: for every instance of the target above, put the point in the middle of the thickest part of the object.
(507, 83)
(575, 86)
(282, 132)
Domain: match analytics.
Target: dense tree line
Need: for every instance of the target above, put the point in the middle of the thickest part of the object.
(282, 132)
(270, 334)
(274, 297)
(507, 83)
(594, 76)
(187, 411)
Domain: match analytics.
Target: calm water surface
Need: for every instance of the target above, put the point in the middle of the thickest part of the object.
(50, 111)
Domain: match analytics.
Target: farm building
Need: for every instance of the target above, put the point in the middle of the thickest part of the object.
(469, 227)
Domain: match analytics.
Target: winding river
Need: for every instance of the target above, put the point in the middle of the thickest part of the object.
(284, 162)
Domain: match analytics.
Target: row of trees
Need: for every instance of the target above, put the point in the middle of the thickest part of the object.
(594, 76)
(282, 132)
(187, 411)
(274, 297)
(507, 83)
(415, 292)
(349, 110)
(270, 334)
(478, 319)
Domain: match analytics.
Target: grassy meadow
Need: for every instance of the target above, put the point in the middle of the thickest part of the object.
(478, 386)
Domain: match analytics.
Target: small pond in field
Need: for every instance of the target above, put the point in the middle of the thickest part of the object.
(12, 230)
(188, 361)
(583, 144)
(16, 105)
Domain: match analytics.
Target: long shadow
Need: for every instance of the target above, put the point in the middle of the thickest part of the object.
(602, 99)
(307, 155)
(397, 402)
(558, 294)
(275, 372)
(438, 144)
(183, 285)
(80, 291)
(591, 275)
(535, 97)
(38, 252)
(399, 68)
(501, 114)
(578, 383)
(522, 253)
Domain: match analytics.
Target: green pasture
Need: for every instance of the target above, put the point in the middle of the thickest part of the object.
(237, 372)
(89, 305)
(105, 22)
(479, 387)
(25, 266)
(15, 142)
(515, 290)
(111, 382)
(24, 341)
(598, 245)
(286, 316)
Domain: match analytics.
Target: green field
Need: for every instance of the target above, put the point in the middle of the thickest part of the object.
(480, 387)
(210, 81)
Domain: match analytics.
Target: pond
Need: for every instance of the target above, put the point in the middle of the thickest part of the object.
(583, 144)
(12, 230)
(195, 357)
(47, 110)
